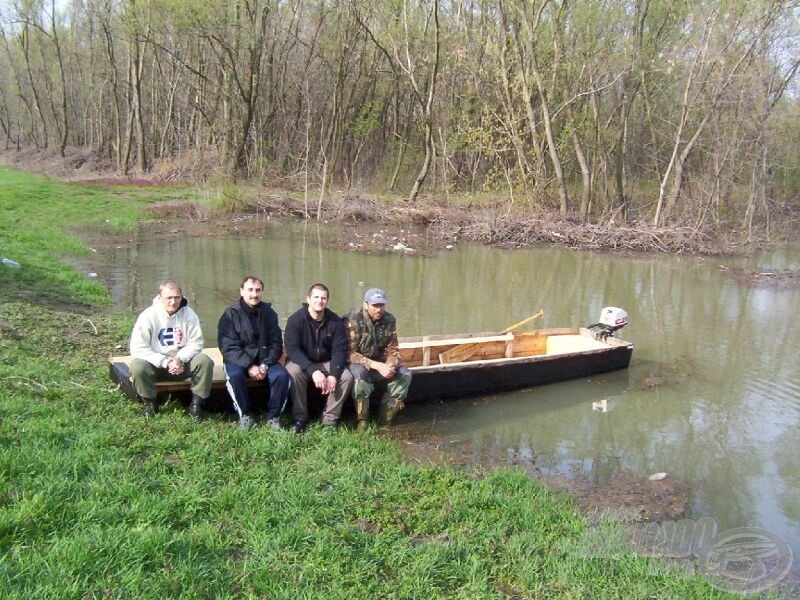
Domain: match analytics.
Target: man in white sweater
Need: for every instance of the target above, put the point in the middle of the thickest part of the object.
(167, 344)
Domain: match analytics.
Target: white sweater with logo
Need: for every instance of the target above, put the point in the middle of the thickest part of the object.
(158, 336)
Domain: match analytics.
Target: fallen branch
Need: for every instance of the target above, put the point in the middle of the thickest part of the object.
(92, 324)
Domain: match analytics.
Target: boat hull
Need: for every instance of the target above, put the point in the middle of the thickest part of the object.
(443, 382)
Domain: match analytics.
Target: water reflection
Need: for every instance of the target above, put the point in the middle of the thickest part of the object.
(712, 395)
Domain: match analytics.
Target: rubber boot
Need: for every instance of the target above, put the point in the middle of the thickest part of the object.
(362, 414)
(389, 409)
(196, 408)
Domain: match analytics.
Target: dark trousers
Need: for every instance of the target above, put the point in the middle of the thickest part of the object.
(278, 389)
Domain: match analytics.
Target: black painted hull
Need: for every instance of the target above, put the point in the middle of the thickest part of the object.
(441, 382)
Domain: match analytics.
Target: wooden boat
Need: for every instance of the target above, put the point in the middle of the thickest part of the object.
(508, 361)
(453, 366)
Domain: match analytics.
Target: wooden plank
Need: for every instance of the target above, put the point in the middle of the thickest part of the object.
(465, 351)
(218, 379)
(454, 341)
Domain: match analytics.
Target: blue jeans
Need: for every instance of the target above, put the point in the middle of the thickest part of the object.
(278, 389)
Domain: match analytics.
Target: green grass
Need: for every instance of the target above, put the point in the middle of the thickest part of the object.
(37, 216)
(97, 502)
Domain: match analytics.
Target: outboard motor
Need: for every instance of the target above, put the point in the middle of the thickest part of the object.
(611, 319)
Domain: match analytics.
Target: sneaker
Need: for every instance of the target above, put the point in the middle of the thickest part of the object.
(362, 426)
(299, 426)
(274, 423)
(246, 423)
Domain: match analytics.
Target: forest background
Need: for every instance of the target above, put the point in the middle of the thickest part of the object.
(668, 114)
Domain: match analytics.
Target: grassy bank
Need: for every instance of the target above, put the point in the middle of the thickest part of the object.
(97, 502)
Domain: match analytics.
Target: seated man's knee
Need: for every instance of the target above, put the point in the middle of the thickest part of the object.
(202, 362)
(278, 375)
(346, 377)
(398, 387)
(358, 371)
(294, 370)
(234, 372)
(362, 388)
(140, 367)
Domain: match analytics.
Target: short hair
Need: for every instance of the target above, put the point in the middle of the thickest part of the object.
(321, 287)
(248, 278)
(169, 283)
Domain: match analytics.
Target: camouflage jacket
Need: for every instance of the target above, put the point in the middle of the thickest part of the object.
(372, 341)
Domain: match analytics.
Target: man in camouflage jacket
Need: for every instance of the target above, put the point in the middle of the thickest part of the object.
(375, 359)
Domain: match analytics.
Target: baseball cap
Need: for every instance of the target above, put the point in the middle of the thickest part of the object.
(375, 296)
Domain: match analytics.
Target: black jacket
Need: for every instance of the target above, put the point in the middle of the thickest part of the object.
(237, 338)
(310, 343)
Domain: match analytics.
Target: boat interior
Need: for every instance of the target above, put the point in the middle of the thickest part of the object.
(443, 349)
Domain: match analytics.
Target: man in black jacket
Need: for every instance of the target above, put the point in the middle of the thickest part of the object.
(317, 347)
(250, 342)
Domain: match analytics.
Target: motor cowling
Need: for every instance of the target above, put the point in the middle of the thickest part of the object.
(611, 319)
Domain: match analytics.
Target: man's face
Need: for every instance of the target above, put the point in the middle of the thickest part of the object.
(251, 292)
(375, 311)
(317, 300)
(170, 299)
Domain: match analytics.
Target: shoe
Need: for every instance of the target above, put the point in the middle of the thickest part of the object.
(196, 409)
(246, 423)
(362, 426)
(275, 423)
(299, 426)
(150, 408)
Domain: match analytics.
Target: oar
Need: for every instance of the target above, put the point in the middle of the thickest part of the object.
(524, 321)
(464, 351)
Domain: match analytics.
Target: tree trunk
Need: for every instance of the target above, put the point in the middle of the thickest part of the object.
(37, 103)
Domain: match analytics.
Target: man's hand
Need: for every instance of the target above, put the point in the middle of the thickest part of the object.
(319, 379)
(325, 384)
(175, 366)
(386, 371)
(330, 385)
(255, 372)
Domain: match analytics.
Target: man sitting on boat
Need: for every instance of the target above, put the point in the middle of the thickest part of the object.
(251, 345)
(375, 359)
(167, 344)
(316, 350)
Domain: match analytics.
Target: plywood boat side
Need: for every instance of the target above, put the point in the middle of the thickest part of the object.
(537, 357)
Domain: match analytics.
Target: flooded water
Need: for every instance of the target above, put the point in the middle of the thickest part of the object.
(712, 396)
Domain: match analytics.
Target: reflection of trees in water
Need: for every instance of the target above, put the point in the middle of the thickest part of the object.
(784, 452)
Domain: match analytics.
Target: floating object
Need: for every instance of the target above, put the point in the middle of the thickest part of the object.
(657, 476)
(12, 264)
(605, 405)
